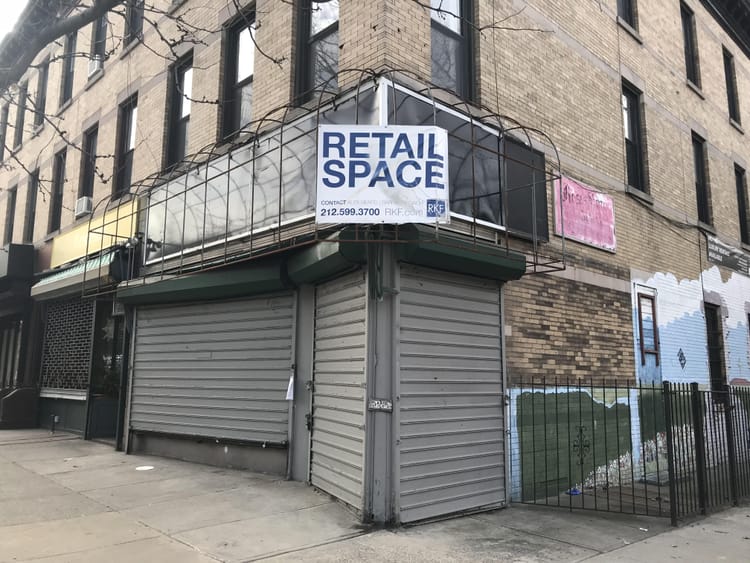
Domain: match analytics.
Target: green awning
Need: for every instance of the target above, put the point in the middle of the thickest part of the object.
(86, 274)
(259, 277)
(459, 254)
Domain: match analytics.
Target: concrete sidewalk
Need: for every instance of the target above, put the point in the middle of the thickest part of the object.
(64, 499)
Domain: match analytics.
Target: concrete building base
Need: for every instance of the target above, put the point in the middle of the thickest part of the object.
(271, 460)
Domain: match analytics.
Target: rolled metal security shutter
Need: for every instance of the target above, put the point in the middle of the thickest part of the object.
(338, 431)
(215, 369)
(451, 420)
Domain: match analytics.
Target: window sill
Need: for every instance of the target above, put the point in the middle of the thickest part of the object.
(639, 194)
(63, 107)
(706, 227)
(633, 32)
(736, 125)
(37, 129)
(695, 88)
(94, 78)
(745, 246)
(175, 5)
(49, 236)
(121, 197)
(130, 46)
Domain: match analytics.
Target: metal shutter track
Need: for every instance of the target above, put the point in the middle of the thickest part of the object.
(216, 369)
(337, 446)
(451, 398)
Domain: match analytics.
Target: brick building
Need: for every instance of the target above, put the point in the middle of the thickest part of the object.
(183, 300)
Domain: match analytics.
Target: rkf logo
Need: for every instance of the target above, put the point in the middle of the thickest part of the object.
(436, 208)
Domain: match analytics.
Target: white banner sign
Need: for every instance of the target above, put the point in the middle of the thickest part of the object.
(373, 174)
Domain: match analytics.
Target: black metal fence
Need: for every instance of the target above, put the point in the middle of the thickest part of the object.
(661, 450)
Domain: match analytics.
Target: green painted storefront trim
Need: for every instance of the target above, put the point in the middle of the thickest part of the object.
(416, 244)
(454, 253)
(261, 277)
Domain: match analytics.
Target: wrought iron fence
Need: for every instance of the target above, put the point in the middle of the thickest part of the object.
(660, 450)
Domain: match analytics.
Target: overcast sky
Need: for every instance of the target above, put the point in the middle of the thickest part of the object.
(11, 11)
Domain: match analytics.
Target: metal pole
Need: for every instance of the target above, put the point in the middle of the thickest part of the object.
(731, 452)
(666, 393)
(700, 449)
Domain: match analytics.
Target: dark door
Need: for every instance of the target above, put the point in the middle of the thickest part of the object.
(715, 341)
(106, 370)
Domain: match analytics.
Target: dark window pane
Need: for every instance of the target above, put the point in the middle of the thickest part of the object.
(20, 116)
(691, 48)
(30, 212)
(325, 57)
(56, 197)
(731, 83)
(10, 215)
(134, 20)
(626, 10)
(69, 60)
(126, 133)
(446, 61)
(88, 162)
(742, 204)
(701, 181)
(41, 94)
(3, 130)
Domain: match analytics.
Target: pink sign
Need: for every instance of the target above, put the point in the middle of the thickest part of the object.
(584, 214)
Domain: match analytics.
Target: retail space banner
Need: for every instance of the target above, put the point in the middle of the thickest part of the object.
(584, 214)
(375, 174)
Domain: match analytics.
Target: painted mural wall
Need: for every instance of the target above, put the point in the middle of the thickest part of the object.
(683, 355)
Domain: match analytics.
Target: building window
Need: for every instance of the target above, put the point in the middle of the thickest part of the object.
(88, 162)
(98, 44)
(715, 343)
(626, 10)
(649, 341)
(69, 65)
(181, 92)
(30, 212)
(631, 122)
(126, 128)
(731, 80)
(450, 46)
(133, 21)
(691, 45)
(20, 115)
(701, 180)
(3, 130)
(238, 74)
(56, 196)
(318, 65)
(40, 106)
(10, 215)
(742, 203)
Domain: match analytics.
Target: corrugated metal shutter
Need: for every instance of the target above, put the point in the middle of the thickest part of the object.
(217, 369)
(338, 434)
(452, 450)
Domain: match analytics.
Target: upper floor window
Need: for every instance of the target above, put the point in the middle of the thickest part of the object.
(452, 61)
(10, 215)
(742, 203)
(238, 74)
(701, 180)
(631, 122)
(56, 195)
(731, 80)
(126, 129)
(20, 115)
(318, 64)
(88, 162)
(68, 66)
(690, 44)
(3, 130)
(30, 212)
(626, 9)
(98, 44)
(133, 21)
(40, 105)
(181, 91)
